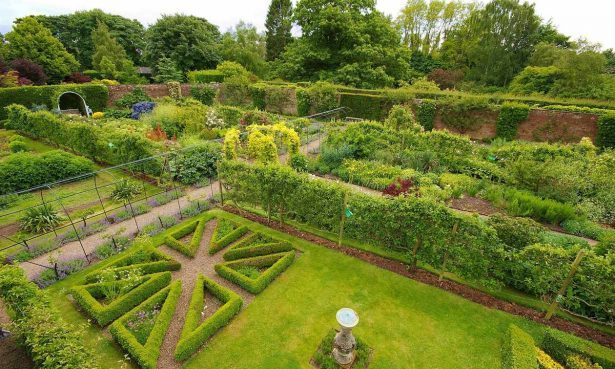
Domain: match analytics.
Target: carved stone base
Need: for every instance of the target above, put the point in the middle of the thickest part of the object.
(323, 357)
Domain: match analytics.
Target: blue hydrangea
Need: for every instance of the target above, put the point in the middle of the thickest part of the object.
(141, 108)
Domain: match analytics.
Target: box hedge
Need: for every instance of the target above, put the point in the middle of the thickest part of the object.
(96, 96)
(105, 314)
(561, 345)
(276, 263)
(257, 250)
(198, 227)
(205, 76)
(218, 243)
(519, 350)
(365, 106)
(147, 355)
(195, 333)
(147, 260)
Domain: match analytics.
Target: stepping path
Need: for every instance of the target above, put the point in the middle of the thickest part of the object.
(202, 263)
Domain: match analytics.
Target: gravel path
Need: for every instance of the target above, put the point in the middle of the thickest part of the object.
(202, 263)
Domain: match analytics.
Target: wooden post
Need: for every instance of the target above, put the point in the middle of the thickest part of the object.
(567, 281)
(220, 188)
(343, 218)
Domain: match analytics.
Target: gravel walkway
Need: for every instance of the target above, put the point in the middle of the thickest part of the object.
(202, 263)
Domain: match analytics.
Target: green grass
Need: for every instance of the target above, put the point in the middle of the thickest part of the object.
(408, 324)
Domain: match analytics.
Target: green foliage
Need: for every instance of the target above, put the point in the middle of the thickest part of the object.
(225, 233)
(205, 76)
(606, 131)
(172, 240)
(196, 162)
(426, 113)
(167, 71)
(401, 118)
(511, 114)
(96, 96)
(516, 233)
(189, 41)
(580, 362)
(125, 190)
(231, 143)
(195, 333)
(25, 170)
(204, 94)
(142, 260)
(41, 219)
(275, 264)
(533, 80)
(30, 40)
(561, 345)
(325, 360)
(463, 114)
(370, 107)
(253, 250)
(51, 342)
(87, 297)
(278, 25)
(519, 350)
(109, 56)
(299, 162)
(245, 45)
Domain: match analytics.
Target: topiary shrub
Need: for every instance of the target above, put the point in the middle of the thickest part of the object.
(511, 114)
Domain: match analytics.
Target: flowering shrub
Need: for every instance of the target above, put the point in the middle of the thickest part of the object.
(141, 108)
(98, 115)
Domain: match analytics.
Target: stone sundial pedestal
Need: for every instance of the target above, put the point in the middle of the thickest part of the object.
(344, 344)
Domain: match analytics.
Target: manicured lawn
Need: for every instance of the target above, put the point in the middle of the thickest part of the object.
(409, 325)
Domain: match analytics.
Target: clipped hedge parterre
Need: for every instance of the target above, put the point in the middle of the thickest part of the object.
(276, 263)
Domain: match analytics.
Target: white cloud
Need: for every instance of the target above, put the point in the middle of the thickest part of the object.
(589, 18)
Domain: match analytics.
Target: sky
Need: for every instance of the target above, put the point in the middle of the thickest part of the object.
(588, 18)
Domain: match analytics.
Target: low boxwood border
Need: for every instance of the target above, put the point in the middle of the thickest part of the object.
(147, 355)
(277, 263)
(164, 263)
(561, 345)
(519, 350)
(105, 314)
(194, 335)
(258, 250)
(218, 245)
(189, 250)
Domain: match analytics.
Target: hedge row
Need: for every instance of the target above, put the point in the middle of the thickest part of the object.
(519, 350)
(258, 250)
(276, 263)
(96, 96)
(50, 341)
(25, 170)
(110, 145)
(205, 76)
(370, 107)
(147, 355)
(190, 250)
(147, 261)
(561, 345)
(85, 297)
(194, 334)
(218, 244)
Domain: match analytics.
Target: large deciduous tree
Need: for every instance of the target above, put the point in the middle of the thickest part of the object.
(347, 42)
(191, 42)
(75, 30)
(109, 56)
(245, 45)
(278, 24)
(495, 42)
(30, 40)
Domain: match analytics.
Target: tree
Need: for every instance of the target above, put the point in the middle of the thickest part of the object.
(167, 71)
(495, 42)
(424, 25)
(109, 56)
(347, 42)
(75, 31)
(246, 46)
(30, 40)
(189, 41)
(278, 25)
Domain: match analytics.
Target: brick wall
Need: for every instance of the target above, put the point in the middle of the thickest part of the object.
(153, 91)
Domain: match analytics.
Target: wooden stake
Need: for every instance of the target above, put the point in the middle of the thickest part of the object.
(343, 218)
(564, 287)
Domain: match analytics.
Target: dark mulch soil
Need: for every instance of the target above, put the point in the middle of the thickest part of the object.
(474, 205)
(433, 280)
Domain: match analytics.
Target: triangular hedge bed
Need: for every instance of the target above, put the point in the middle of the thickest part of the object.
(146, 353)
(275, 264)
(226, 232)
(256, 244)
(86, 297)
(196, 228)
(146, 260)
(194, 333)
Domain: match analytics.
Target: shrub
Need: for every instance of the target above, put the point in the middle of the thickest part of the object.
(464, 113)
(196, 163)
(561, 345)
(585, 228)
(51, 342)
(146, 354)
(205, 76)
(516, 233)
(230, 115)
(426, 113)
(204, 94)
(370, 107)
(41, 219)
(446, 79)
(195, 333)
(135, 96)
(511, 114)
(78, 78)
(86, 297)
(275, 263)
(519, 350)
(225, 233)
(98, 115)
(546, 362)
(29, 70)
(579, 362)
(190, 250)
(606, 131)
(18, 146)
(144, 260)
(401, 118)
(299, 162)
(534, 80)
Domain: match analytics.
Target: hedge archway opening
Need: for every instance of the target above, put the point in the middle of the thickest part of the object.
(70, 102)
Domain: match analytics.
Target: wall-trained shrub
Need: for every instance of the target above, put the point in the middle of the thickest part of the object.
(96, 96)
(25, 170)
(195, 332)
(146, 355)
(511, 114)
(51, 342)
(606, 131)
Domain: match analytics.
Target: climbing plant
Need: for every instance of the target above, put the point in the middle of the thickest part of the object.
(511, 114)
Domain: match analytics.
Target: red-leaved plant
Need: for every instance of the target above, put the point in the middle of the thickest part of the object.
(400, 187)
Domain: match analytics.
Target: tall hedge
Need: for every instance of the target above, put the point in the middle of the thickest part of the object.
(606, 131)
(426, 113)
(96, 96)
(511, 114)
(370, 107)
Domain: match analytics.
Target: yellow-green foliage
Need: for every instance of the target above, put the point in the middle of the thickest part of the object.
(231, 141)
(580, 362)
(545, 361)
(261, 147)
